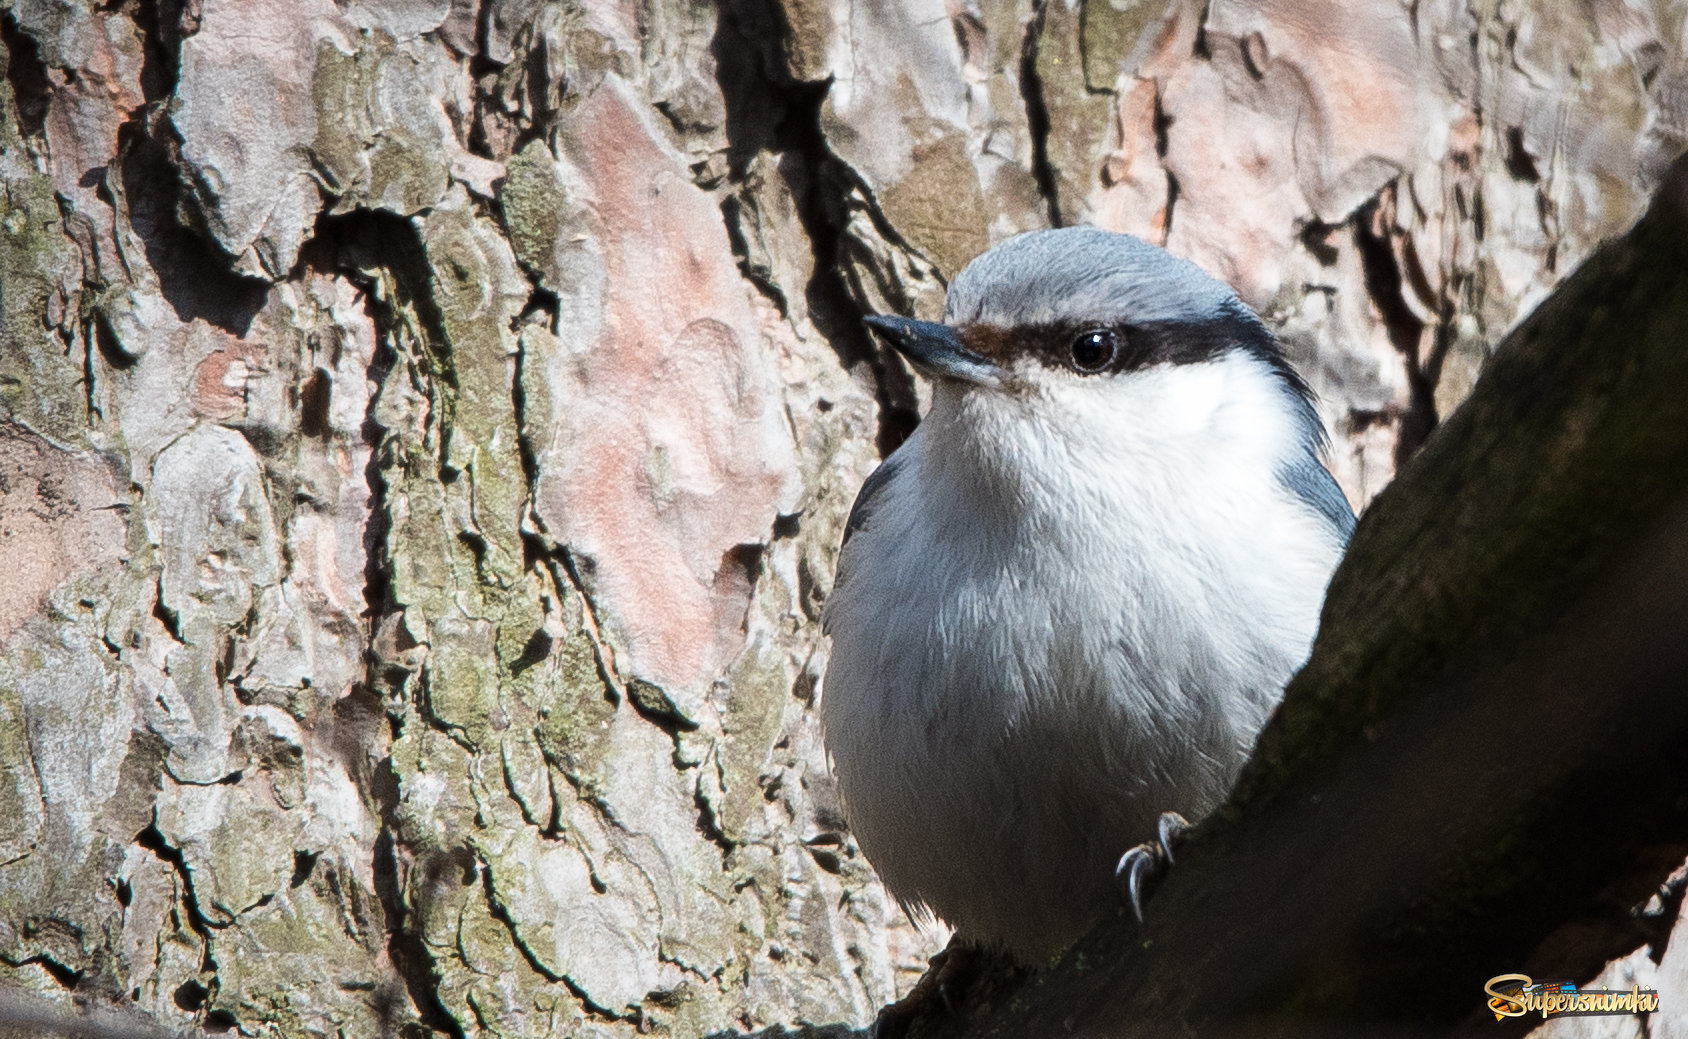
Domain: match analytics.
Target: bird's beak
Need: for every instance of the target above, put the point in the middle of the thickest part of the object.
(935, 350)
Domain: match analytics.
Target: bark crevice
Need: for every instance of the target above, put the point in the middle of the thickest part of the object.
(1037, 114)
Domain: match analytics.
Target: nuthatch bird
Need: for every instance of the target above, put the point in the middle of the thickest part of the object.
(1068, 603)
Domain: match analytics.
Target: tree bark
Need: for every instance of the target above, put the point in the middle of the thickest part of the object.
(426, 428)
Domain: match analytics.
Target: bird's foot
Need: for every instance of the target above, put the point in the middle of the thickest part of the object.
(1148, 859)
(939, 990)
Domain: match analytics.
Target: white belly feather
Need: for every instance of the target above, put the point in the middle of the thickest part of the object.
(1033, 657)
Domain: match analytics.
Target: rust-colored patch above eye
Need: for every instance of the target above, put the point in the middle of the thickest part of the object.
(989, 341)
(1006, 346)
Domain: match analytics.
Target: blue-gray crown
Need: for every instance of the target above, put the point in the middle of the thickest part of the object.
(1084, 274)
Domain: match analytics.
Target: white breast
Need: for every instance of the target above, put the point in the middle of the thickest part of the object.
(1069, 611)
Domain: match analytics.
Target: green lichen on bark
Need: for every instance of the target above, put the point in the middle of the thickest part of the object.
(55, 902)
(1078, 115)
(367, 150)
(41, 383)
(533, 203)
(938, 202)
(20, 792)
(1108, 31)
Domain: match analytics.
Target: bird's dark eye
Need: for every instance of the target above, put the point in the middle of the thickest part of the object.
(1095, 349)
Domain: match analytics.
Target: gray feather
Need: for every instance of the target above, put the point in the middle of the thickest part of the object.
(1314, 486)
(863, 508)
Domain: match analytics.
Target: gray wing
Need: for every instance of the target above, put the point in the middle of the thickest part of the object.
(860, 513)
(1314, 486)
(863, 508)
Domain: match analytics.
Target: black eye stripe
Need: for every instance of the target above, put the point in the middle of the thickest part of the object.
(1137, 345)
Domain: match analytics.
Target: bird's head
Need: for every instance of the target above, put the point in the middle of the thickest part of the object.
(1101, 336)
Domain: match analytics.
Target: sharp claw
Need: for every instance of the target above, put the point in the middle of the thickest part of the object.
(947, 993)
(1133, 866)
(1139, 869)
(1170, 827)
(1136, 865)
(945, 983)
